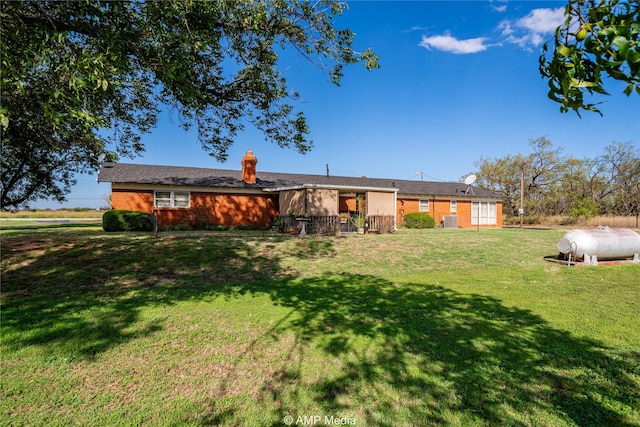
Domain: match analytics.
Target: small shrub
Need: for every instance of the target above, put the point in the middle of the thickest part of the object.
(585, 208)
(248, 227)
(123, 220)
(212, 227)
(359, 219)
(278, 224)
(175, 227)
(419, 220)
(199, 218)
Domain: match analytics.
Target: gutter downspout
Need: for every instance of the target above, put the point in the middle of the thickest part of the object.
(395, 211)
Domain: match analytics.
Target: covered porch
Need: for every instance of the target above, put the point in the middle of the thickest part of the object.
(320, 209)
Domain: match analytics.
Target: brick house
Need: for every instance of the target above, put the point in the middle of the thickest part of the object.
(247, 197)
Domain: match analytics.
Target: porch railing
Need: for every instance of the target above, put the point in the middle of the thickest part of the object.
(332, 224)
(381, 224)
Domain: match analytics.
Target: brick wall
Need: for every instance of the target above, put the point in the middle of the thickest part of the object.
(236, 209)
(243, 209)
(464, 214)
(132, 200)
(438, 208)
(211, 208)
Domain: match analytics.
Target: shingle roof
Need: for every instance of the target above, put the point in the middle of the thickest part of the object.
(204, 177)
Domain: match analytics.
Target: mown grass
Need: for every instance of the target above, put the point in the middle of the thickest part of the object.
(431, 327)
(53, 213)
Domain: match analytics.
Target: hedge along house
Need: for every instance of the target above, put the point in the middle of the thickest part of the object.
(195, 196)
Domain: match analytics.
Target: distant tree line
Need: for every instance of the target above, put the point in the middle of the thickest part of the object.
(555, 184)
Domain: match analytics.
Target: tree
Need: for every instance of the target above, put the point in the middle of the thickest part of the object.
(584, 188)
(560, 185)
(599, 39)
(502, 176)
(622, 164)
(83, 78)
(542, 171)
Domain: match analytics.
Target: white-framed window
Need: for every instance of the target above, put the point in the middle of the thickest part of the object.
(423, 205)
(483, 213)
(453, 206)
(171, 199)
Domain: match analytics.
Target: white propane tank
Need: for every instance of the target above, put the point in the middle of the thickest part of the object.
(600, 244)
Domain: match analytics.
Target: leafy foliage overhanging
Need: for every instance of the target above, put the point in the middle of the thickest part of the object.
(600, 39)
(83, 78)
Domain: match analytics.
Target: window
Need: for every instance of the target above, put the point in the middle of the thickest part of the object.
(424, 205)
(171, 199)
(181, 199)
(483, 213)
(453, 206)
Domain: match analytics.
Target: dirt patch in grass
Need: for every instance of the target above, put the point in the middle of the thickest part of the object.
(16, 248)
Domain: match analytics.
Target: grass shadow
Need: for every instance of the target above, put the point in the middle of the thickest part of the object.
(427, 355)
(402, 353)
(77, 297)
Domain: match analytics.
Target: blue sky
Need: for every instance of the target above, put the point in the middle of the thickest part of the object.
(458, 80)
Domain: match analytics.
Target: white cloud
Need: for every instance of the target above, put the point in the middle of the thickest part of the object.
(450, 44)
(527, 32)
(533, 28)
(499, 5)
(507, 28)
(542, 21)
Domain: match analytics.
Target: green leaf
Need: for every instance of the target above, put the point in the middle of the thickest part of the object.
(582, 83)
(4, 119)
(633, 56)
(629, 89)
(622, 44)
(565, 50)
(607, 31)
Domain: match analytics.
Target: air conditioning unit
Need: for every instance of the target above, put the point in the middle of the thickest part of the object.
(450, 221)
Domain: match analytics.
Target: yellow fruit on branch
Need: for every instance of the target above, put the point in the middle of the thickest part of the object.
(582, 34)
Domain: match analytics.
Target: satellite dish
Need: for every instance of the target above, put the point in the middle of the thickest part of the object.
(468, 181)
(101, 158)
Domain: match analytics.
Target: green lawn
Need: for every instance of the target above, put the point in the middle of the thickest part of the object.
(53, 213)
(433, 327)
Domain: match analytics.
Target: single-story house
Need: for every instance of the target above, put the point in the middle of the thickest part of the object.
(247, 197)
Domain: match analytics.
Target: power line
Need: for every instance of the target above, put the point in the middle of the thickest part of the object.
(422, 175)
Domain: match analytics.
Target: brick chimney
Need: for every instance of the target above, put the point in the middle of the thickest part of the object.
(249, 162)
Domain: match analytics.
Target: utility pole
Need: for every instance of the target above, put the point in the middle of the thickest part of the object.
(637, 205)
(522, 197)
(421, 175)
